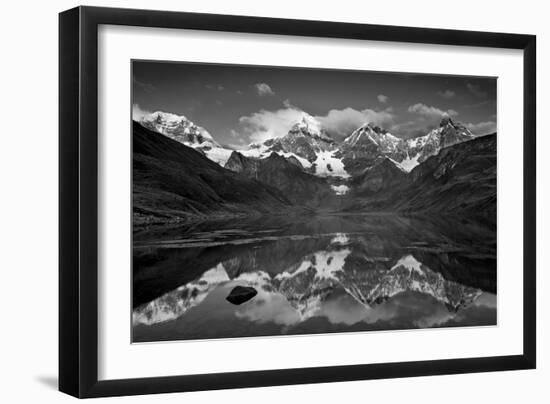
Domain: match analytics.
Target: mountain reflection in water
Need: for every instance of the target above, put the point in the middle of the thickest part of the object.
(319, 275)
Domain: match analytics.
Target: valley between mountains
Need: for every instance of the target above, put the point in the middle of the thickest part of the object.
(182, 174)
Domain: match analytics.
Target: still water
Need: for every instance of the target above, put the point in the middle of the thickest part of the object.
(314, 275)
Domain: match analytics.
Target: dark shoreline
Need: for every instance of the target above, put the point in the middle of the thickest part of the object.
(157, 222)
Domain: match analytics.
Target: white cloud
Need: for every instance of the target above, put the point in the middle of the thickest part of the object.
(236, 146)
(341, 122)
(482, 128)
(383, 98)
(446, 94)
(263, 89)
(263, 125)
(138, 113)
(288, 104)
(431, 112)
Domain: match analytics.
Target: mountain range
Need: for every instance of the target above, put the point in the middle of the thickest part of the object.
(173, 182)
(316, 151)
(181, 172)
(460, 179)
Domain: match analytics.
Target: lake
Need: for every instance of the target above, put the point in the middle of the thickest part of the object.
(318, 274)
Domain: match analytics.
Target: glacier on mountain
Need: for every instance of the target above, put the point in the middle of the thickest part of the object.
(327, 165)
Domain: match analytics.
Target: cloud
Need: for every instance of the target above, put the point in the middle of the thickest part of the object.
(431, 112)
(341, 122)
(263, 125)
(447, 94)
(138, 113)
(288, 104)
(383, 98)
(236, 146)
(238, 141)
(427, 117)
(476, 90)
(482, 128)
(263, 89)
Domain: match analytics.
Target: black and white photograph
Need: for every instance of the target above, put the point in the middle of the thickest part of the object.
(274, 201)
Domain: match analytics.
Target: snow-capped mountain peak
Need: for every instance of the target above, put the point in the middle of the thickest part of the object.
(446, 121)
(183, 130)
(310, 144)
(454, 132)
(367, 143)
(447, 134)
(179, 128)
(309, 126)
(369, 133)
(161, 116)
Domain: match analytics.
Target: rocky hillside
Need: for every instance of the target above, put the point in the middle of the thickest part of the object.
(383, 174)
(287, 175)
(460, 179)
(182, 130)
(447, 134)
(173, 182)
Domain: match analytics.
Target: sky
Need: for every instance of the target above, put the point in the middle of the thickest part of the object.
(241, 104)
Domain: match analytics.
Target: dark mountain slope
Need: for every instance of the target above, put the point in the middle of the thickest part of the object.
(172, 182)
(275, 170)
(460, 179)
(382, 175)
(242, 164)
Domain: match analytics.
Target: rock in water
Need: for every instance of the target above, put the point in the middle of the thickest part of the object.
(241, 294)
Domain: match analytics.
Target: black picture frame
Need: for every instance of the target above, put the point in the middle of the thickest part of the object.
(78, 201)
